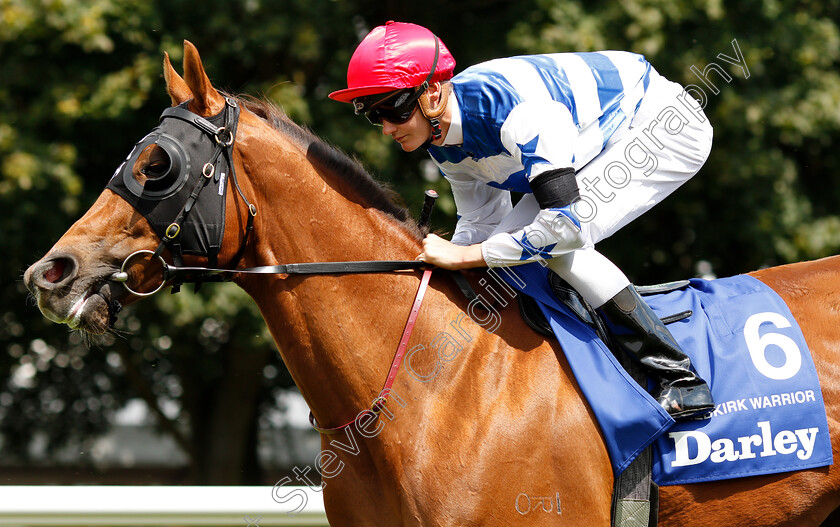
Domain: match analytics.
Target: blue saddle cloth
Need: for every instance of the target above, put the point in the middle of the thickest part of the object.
(744, 341)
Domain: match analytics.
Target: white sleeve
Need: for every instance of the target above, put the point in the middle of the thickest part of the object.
(479, 206)
(554, 232)
(541, 135)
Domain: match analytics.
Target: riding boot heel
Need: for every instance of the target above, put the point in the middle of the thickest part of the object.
(643, 336)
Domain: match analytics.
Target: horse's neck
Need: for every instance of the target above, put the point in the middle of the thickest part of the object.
(337, 334)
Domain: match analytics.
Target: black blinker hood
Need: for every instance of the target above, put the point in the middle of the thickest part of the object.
(190, 141)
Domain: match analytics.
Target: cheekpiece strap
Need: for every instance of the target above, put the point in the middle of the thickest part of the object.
(224, 137)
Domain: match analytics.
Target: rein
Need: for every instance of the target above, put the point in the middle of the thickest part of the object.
(381, 399)
(368, 266)
(205, 274)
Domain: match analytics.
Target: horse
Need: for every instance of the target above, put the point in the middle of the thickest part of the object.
(466, 433)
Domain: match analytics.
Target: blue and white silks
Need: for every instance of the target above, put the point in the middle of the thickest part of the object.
(515, 118)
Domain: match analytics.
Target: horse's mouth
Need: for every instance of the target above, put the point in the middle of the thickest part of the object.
(95, 311)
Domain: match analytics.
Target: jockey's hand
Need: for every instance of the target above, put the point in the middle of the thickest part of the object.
(445, 254)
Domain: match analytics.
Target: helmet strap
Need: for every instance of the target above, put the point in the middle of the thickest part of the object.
(433, 114)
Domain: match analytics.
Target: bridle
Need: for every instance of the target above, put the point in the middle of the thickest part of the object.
(186, 219)
(171, 232)
(223, 137)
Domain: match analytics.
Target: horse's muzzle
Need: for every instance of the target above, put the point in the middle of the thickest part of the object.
(65, 296)
(51, 273)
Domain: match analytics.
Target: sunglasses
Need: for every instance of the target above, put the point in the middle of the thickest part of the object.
(396, 107)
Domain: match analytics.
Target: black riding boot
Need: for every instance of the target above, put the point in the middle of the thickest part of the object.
(639, 332)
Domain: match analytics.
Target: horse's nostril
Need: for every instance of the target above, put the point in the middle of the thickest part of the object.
(56, 271)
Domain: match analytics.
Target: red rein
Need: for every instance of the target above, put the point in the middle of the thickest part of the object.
(380, 400)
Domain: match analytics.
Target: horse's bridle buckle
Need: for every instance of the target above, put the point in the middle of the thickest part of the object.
(172, 231)
(377, 405)
(224, 137)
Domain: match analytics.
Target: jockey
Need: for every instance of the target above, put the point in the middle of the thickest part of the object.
(593, 140)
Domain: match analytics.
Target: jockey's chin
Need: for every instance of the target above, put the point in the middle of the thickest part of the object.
(410, 144)
(411, 134)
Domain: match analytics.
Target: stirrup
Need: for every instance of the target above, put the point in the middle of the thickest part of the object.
(687, 402)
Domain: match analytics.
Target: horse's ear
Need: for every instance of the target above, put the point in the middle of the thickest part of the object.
(176, 87)
(206, 100)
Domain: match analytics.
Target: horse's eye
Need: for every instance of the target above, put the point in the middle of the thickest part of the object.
(155, 170)
(153, 163)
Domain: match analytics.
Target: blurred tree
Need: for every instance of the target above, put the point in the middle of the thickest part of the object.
(764, 196)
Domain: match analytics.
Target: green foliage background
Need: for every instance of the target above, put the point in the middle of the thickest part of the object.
(82, 81)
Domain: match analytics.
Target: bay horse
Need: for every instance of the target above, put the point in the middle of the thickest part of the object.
(501, 418)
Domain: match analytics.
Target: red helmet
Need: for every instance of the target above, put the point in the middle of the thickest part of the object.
(394, 57)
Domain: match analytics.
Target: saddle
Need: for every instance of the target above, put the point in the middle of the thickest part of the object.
(635, 495)
(568, 296)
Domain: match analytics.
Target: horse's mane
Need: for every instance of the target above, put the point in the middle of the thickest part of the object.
(375, 193)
